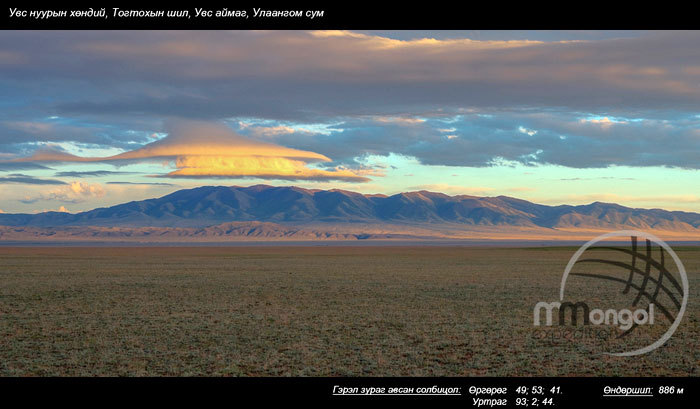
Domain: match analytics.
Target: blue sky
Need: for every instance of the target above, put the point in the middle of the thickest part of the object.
(91, 119)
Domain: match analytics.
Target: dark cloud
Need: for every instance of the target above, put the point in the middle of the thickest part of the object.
(141, 183)
(95, 173)
(480, 139)
(29, 180)
(115, 89)
(21, 136)
(204, 74)
(11, 166)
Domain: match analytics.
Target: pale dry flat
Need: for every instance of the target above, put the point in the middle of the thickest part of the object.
(302, 311)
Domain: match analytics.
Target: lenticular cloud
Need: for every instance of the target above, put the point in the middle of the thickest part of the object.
(212, 150)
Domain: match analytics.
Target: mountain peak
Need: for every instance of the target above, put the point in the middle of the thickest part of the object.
(213, 205)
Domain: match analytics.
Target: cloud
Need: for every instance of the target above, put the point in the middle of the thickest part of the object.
(270, 130)
(203, 74)
(594, 103)
(141, 183)
(56, 131)
(75, 192)
(399, 120)
(29, 180)
(212, 150)
(483, 138)
(95, 173)
(530, 132)
(13, 166)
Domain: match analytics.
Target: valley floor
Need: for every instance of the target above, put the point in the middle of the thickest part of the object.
(302, 311)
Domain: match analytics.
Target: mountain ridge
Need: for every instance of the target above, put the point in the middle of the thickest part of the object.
(336, 209)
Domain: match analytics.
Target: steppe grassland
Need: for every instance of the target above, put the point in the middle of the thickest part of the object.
(301, 311)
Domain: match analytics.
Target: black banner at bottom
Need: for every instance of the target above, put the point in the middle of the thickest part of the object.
(484, 392)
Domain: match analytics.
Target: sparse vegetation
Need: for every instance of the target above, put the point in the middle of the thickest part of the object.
(300, 311)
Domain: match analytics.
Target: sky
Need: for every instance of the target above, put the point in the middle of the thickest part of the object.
(94, 119)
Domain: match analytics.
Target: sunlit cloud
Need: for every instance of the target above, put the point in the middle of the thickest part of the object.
(530, 132)
(333, 108)
(211, 150)
(75, 192)
(376, 42)
(604, 122)
(399, 120)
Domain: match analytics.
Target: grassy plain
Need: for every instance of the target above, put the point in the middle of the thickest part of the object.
(302, 311)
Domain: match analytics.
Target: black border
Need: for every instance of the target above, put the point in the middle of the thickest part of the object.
(205, 392)
(466, 15)
(429, 16)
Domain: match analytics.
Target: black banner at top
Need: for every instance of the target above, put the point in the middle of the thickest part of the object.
(456, 16)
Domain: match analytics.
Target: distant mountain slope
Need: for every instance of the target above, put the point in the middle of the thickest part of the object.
(223, 232)
(213, 205)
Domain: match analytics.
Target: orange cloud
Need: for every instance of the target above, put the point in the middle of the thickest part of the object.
(604, 122)
(75, 192)
(399, 120)
(375, 42)
(199, 149)
(260, 167)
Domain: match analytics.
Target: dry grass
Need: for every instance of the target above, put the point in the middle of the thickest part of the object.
(300, 311)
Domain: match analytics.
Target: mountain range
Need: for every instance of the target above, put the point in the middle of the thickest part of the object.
(267, 213)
